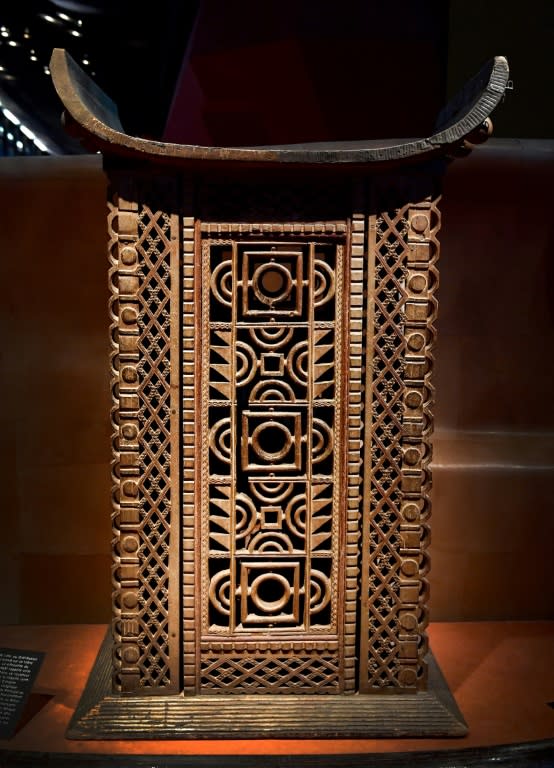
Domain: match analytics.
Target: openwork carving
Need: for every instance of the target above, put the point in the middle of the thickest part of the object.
(283, 528)
(401, 311)
(275, 673)
(145, 368)
(272, 402)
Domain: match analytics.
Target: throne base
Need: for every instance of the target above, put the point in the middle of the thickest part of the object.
(102, 714)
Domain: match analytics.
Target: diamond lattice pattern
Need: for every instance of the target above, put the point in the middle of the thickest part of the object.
(154, 460)
(388, 370)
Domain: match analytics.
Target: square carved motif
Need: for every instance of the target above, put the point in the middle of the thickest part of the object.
(270, 592)
(272, 282)
(271, 441)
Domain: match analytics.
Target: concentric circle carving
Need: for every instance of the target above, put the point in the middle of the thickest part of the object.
(246, 516)
(220, 440)
(295, 514)
(279, 432)
(271, 338)
(246, 364)
(275, 580)
(221, 283)
(270, 541)
(220, 591)
(272, 391)
(320, 591)
(272, 492)
(297, 363)
(272, 283)
(324, 278)
(322, 440)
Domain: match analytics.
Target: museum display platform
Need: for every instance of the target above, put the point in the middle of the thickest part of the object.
(501, 674)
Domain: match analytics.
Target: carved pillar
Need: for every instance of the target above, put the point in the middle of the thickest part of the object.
(272, 334)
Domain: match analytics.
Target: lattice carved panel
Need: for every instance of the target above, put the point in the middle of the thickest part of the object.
(144, 279)
(272, 389)
(401, 310)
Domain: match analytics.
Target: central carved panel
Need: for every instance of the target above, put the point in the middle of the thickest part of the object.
(272, 351)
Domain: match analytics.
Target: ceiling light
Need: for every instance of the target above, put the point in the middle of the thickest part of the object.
(10, 116)
(26, 34)
(10, 136)
(49, 18)
(64, 16)
(27, 132)
(33, 57)
(75, 33)
(79, 22)
(4, 32)
(86, 61)
(46, 70)
(13, 43)
(38, 143)
(19, 144)
(2, 69)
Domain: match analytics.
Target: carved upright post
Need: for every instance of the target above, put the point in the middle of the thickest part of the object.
(272, 330)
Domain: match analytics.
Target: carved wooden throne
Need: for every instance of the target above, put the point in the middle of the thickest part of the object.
(272, 328)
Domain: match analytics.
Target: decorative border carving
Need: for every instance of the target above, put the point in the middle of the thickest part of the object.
(144, 280)
(401, 310)
(319, 228)
(420, 314)
(124, 333)
(353, 444)
(189, 449)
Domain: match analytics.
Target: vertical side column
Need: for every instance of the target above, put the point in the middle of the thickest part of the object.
(355, 423)
(124, 334)
(146, 311)
(384, 372)
(402, 250)
(420, 313)
(189, 399)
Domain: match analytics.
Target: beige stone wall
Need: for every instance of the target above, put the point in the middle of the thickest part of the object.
(493, 522)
